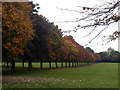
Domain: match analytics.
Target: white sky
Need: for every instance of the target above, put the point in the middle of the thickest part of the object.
(49, 10)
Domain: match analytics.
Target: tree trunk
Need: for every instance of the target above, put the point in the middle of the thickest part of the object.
(65, 64)
(29, 64)
(56, 64)
(49, 64)
(7, 64)
(23, 63)
(77, 63)
(13, 65)
(41, 64)
(69, 64)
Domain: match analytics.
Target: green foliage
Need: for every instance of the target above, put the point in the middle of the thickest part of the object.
(47, 41)
(110, 55)
(89, 49)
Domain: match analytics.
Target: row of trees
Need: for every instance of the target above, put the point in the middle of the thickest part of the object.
(30, 37)
(49, 45)
(74, 51)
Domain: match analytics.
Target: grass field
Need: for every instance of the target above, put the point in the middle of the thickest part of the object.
(100, 75)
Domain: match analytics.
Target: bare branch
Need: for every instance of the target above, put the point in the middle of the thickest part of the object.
(90, 32)
(97, 35)
(102, 15)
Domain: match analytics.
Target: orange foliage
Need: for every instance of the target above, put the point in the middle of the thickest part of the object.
(83, 55)
(17, 27)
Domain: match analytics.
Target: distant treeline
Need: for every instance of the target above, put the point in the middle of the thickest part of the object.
(110, 56)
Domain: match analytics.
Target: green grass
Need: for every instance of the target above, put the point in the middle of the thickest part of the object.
(102, 75)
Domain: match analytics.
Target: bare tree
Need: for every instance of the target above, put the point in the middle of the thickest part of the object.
(99, 15)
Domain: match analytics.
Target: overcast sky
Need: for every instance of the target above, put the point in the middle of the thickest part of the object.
(49, 9)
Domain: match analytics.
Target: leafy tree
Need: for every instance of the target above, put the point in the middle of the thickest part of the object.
(37, 49)
(89, 49)
(71, 47)
(113, 55)
(80, 53)
(105, 56)
(17, 29)
(69, 50)
(46, 44)
(54, 43)
(110, 55)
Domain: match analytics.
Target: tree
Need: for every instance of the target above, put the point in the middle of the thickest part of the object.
(113, 55)
(77, 53)
(37, 48)
(46, 44)
(104, 56)
(89, 49)
(99, 15)
(17, 29)
(110, 55)
(54, 43)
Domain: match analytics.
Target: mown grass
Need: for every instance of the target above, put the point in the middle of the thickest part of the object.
(100, 75)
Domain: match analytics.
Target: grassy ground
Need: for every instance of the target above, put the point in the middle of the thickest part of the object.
(102, 75)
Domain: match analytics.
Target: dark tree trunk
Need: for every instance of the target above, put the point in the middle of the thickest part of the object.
(23, 63)
(29, 64)
(41, 64)
(56, 64)
(13, 65)
(65, 64)
(69, 64)
(50, 64)
(62, 64)
(77, 64)
(7, 64)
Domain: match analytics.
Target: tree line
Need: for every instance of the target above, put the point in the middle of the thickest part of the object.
(110, 56)
(28, 36)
